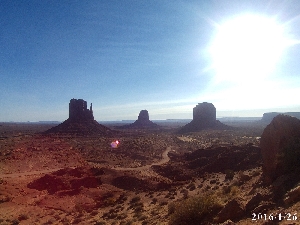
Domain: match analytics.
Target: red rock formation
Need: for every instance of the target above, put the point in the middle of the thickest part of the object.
(204, 117)
(78, 110)
(275, 138)
(233, 210)
(81, 121)
(204, 112)
(142, 122)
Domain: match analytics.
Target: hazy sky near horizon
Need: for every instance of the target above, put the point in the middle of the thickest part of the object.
(160, 55)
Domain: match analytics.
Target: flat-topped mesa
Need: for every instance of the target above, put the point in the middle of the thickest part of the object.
(204, 117)
(204, 112)
(78, 110)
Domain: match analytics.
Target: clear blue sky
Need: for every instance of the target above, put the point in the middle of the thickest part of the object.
(125, 56)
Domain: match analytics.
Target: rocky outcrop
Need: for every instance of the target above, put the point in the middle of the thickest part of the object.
(66, 181)
(80, 122)
(279, 147)
(204, 117)
(233, 210)
(210, 160)
(143, 122)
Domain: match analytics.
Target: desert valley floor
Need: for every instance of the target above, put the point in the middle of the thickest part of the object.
(150, 178)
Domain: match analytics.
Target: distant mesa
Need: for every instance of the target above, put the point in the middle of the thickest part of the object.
(143, 122)
(81, 121)
(269, 116)
(204, 117)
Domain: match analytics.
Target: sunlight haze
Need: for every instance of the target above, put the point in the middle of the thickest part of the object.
(163, 56)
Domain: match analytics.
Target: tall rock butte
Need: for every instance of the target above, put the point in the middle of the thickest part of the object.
(204, 117)
(81, 121)
(143, 122)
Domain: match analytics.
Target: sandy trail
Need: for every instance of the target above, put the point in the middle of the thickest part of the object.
(164, 159)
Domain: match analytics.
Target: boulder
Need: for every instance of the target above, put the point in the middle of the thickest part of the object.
(253, 202)
(233, 210)
(278, 145)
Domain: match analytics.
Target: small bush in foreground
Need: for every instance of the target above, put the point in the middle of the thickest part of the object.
(229, 174)
(194, 210)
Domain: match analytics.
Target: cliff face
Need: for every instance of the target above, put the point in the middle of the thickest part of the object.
(81, 121)
(204, 117)
(279, 145)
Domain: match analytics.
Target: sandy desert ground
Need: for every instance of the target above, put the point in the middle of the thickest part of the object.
(149, 179)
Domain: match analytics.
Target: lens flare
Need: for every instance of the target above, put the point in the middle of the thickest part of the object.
(114, 144)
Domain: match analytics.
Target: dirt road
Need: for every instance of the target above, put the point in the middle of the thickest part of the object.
(164, 158)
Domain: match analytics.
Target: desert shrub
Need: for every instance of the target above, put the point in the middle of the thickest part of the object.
(192, 187)
(100, 223)
(226, 189)
(255, 173)
(291, 156)
(139, 209)
(128, 222)
(154, 201)
(229, 174)
(163, 203)
(135, 199)
(194, 210)
(77, 220)
(171, 208)
(22, 217)
(213, 181)
(231, 189)
(234, 190)
(215, 187)
(15, 222)
(200, 185)
(142, 217)
(208, 187)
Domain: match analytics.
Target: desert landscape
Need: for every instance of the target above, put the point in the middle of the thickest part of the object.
(54, 175)
(154, 112)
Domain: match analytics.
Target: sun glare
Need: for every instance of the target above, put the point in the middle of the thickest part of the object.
(247, 48)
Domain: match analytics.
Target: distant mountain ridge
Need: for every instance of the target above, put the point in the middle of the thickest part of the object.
(268, 117)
